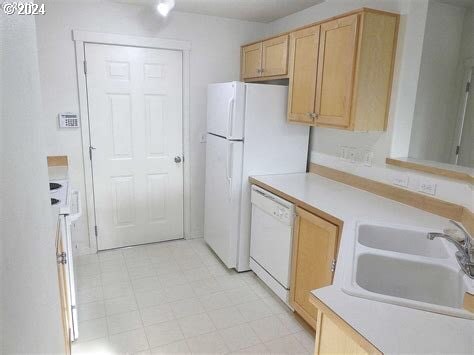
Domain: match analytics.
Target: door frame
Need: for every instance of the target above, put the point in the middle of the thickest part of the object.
(80, 38)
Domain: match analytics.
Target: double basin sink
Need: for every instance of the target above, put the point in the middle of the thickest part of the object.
(400, 265)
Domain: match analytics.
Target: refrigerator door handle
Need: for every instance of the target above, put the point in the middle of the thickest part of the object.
(231, 117)
(230, 158)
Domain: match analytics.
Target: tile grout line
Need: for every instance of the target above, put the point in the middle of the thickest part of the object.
(136, 302)
(222, 278)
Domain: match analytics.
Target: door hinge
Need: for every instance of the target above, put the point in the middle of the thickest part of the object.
(61, 258)
(457, 150)
(333, 265)
(96, 231)
(468, 86)
(85, 67)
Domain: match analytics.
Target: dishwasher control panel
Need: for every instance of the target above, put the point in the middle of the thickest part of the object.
(281, 212)
(279, 208)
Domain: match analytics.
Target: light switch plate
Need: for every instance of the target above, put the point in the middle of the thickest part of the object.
(427, 187)
(401, 180)
(203, 138)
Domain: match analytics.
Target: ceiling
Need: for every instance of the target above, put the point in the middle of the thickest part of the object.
(250, 10)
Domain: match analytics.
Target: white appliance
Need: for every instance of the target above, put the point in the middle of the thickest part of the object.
(69, 203)
(248, 134)
(271, 241)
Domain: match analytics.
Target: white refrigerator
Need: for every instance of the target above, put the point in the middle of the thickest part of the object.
(247, 134)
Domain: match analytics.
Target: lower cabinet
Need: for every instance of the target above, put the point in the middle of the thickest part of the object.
(335, 336)
(315, 243)
(63, 289)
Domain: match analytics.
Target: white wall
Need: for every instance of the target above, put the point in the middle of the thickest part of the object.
(467, 52)
(2, 50)
(437, 95)
(214, 58)
(467, 46)
(30, 299)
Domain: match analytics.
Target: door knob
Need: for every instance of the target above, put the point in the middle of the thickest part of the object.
(177, 159)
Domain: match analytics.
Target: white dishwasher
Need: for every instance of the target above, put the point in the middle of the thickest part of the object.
(271, 240)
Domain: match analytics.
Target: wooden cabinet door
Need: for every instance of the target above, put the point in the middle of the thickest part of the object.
(303, 65)
(275, 56)
(332, 339)
(63, 290)
(314, 251)
(252, 61)
(336, 68)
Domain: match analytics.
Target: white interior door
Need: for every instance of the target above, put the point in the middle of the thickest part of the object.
(135, 118)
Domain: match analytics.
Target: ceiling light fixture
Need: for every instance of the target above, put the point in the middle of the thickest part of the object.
(164, 7)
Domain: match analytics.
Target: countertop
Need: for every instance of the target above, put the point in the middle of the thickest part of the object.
(58, 172)
(391, 328)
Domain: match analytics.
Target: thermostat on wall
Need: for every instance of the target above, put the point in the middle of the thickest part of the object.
(68, 120)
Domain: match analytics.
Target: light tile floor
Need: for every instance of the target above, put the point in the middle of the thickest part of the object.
(177, 297)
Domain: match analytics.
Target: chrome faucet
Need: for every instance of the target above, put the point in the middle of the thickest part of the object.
(465, 253)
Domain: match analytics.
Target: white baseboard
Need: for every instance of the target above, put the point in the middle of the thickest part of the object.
(194, 236)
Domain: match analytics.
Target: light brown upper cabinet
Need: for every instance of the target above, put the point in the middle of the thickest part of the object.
(346, 65)
(315, 243)
(252, 61)
(304, 47)
(265, 60)
(336, 63)
(275, 56)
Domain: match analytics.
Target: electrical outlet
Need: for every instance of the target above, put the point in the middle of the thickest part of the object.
(350, 154)
(400, 180)
(344, 153)
(427, 187)
(368, 157)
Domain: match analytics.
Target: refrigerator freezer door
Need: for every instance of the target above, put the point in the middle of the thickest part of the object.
(225, 109)
(222, 204)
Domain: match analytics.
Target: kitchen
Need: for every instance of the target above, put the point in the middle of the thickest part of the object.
(379, 167)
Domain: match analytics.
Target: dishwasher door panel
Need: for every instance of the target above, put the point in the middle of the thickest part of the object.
(271, 246)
